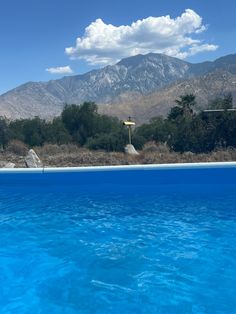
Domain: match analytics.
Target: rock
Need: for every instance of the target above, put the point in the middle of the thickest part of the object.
(2, 163)
(129, 149)
(32, 160)
(189, 154)
(9, 165)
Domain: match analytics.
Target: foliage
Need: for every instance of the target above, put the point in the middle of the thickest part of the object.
(30, 131)
(4, 133)
(83, 122)
(108, 142)
(56, 132)
(225, 102)
(186, 104)
(183, 130)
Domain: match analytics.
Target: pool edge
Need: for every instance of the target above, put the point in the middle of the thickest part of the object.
(200, 165)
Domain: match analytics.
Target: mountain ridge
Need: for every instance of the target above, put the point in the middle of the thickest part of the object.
(206, 88)
(132, 77)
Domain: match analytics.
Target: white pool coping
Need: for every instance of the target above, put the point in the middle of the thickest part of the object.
(176, 166)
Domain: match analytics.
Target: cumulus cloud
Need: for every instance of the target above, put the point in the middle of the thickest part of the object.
(199, 48)
(60, 70)
(105, 43)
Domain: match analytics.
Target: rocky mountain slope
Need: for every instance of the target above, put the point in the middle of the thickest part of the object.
(205, 87)
(131, 79)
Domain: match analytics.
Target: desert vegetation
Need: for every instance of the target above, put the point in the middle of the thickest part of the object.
(82, 136)
(71, 155)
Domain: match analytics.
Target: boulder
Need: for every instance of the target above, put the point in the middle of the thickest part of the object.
(130, 150)
(9, 165)
(32, 160)
(2, 163)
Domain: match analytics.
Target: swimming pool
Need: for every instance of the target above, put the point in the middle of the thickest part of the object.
(139, 239)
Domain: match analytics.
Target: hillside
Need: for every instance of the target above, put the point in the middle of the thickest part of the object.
(205, 87)
(132, 79)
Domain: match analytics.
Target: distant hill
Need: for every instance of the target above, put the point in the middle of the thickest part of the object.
(205, 87)
(135, 81)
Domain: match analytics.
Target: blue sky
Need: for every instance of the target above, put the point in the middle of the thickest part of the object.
(35, 33)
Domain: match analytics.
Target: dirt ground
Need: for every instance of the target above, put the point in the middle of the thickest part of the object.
(73, 156)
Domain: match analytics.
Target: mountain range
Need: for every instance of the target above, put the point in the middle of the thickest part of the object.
(142, 86)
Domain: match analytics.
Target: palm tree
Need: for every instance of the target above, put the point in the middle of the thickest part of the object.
(185, 103)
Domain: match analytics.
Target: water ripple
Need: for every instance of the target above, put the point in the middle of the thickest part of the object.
(140, 252)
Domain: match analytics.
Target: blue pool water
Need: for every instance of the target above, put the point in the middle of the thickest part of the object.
(118, 242)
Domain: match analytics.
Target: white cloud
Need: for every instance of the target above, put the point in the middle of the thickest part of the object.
(60, 70)
(199, 48)
(105, 43)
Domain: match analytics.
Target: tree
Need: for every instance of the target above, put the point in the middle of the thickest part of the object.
(225, 102)
(186, 103)
(4, 133)
(80, 121)
(31, 131)
(83, 122)
(156, 130)
(56, 132)
(175, 113)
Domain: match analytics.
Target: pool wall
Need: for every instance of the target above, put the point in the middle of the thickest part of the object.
(194, 173)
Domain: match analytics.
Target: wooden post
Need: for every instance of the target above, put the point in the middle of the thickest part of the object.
(130, 134)
(129, 123)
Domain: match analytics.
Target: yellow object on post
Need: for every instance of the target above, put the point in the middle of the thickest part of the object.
(129, 123)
